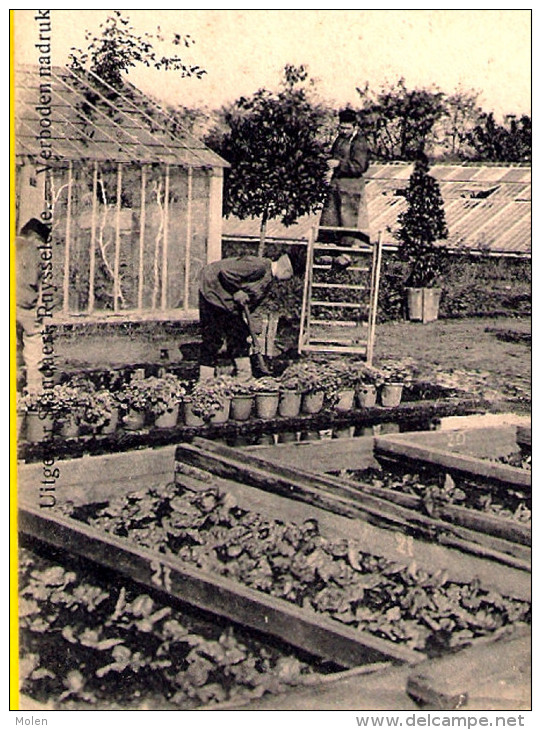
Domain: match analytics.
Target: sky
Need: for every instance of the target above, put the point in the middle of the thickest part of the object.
(243, 50)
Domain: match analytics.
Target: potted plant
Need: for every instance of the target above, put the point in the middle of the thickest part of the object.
(343, 377)
(289, 404)
(242, 399)
(133, 399)
(394, 376)
(267, 396)
(366, 389)
(312, 381)
(104, 411)
(69, 403)
(208, 401)
(164, 396)
(38, 415)
(421, 226)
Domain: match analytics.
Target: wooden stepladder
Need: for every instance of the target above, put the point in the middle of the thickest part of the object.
(339, 304)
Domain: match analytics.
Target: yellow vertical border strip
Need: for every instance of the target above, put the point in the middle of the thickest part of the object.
(13, 539)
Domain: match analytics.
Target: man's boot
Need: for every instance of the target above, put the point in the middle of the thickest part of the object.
(205, 373)
(244, 368)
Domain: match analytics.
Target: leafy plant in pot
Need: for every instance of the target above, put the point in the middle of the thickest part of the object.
(36, 407)
(343, 377)
(394, 376)
(69, 404)
(101, 412)
(267, 396)
(208, 401)
(164, 396)
(242, 398)
(291, 386)
(421, 226)
(133, 401)
(313, 382)
(368, 380)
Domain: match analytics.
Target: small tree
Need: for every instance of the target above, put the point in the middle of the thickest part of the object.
(507, 142)
(399, 121)
(421, 225)
(277, 155)
(118, 48)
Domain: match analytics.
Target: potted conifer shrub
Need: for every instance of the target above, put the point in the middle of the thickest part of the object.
(421, 226)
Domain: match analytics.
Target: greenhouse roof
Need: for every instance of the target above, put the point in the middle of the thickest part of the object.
(487, 208)
(92, 121)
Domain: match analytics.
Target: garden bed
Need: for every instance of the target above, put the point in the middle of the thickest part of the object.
(163, 576)
(90, 641)
(482, 454)
(341, 579)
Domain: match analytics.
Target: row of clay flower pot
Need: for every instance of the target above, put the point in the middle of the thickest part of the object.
(77, 408)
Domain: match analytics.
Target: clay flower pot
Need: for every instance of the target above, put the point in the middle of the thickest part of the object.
(391, 394)
(133, 420)
(112, 424)
(168, 419)
(312, 402)
(190, 418)
(345, 401)
(222, 415)
(266, 405)
(39, 426)
(69, 429)
(241, 407)
(366, 396)
(289, 405)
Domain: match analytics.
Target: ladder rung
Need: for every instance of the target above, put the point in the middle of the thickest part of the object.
(349, 268)
(335, 247)
(337, 339)
(338, 323)
(319, 348)
(351, 305)
(357, 287)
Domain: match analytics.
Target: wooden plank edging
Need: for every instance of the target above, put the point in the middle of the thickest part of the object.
(303, 628)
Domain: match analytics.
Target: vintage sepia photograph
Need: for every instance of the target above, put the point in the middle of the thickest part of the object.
(271, 319)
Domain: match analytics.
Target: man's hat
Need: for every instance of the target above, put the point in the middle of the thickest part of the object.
(347, 116)
(35, 226)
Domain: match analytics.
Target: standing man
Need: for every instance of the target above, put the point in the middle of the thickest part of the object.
(28, 288)
(225, 288)
(346, 202)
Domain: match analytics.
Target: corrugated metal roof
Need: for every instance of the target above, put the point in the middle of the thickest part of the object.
(89, 120)
(486, 207)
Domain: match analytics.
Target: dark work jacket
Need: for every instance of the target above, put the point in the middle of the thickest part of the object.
(352, 152)
(222, 279)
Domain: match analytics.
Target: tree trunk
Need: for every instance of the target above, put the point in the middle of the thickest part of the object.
(262, 234)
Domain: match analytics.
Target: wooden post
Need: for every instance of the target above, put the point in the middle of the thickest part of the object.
(142, 222)
(92, 267)
(165, 251)
(214, 237)
(116, 266)
(374, 300)
(187, 252)
(67, 253)
(304, 327)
